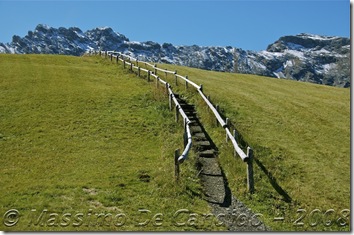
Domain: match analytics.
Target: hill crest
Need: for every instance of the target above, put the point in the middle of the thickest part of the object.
(304, 57)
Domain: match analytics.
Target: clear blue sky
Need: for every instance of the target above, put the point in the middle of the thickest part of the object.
(250, 25)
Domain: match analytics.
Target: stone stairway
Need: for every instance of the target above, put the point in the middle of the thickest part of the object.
(230, 212)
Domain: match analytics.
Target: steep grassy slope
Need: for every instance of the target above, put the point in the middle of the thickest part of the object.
(300, 134)
(84, 146)
(87, 141)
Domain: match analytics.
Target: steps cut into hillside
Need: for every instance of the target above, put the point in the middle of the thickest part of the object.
(231, 212)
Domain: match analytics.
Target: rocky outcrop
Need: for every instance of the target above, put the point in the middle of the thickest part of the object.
(303, 57)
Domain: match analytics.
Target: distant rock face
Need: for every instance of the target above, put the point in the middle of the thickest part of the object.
(312, 58)
(304, 57)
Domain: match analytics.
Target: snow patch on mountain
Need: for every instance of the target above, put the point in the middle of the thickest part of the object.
(303, 57)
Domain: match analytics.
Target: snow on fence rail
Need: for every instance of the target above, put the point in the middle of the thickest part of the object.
(248, 158)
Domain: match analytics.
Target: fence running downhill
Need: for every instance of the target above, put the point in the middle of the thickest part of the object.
(128, 61)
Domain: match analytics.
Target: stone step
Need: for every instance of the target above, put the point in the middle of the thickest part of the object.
(187, 108)
(182, 103)
(193, 122)
(200, 136)
(207, 153)
(190, 112)
(193, 119)
(202, 146)
(195, 129)
(202, 143)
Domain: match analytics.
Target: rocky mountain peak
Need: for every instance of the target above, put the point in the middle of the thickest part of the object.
(42, 28)
(304, 57)
(305, 41)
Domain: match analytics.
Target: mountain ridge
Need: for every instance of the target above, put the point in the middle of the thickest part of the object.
(303, 57)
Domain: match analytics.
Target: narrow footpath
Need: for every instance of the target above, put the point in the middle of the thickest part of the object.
(230, 211)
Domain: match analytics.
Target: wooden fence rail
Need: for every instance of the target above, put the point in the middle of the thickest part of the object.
(128, 61)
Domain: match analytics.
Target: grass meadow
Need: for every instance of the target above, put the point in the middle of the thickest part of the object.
(87, 146)
(300, 134)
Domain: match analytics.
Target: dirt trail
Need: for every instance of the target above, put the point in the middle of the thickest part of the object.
(230, 211)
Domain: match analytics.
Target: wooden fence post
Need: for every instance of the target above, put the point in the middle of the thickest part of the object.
(217, 109)
(227, 126)
(176, 165)
(177, 110)
(138, 71)
(100, 53)
(105, 54)
(123, 63)
(186, 82)
(176, 78)
(235, 136)
(131, 66)
(201, 87)
(155, 70)
(111, 57)
(166, 88)
(170, 101)
(250, 179)
(117, 58)
(149, 75)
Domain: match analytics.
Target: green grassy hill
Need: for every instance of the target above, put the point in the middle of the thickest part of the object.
(94, 146)
(82, 135)
(300, 133)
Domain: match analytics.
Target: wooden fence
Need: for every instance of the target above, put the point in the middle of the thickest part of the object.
(225, 124)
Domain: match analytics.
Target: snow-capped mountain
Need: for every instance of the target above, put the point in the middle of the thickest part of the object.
(304, 57)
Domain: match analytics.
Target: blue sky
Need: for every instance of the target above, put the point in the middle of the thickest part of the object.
(250, 25)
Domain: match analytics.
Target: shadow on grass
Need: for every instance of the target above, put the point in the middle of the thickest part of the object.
(243, 144)
(273, 181)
